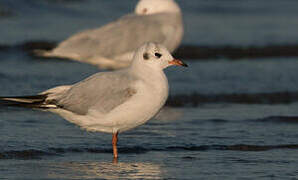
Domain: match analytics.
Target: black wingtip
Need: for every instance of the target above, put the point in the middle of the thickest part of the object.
(23, 101)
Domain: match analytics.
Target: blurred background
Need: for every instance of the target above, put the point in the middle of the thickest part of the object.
(232, 113)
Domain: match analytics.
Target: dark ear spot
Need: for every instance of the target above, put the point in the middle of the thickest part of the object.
(146, 56)
(144, 10)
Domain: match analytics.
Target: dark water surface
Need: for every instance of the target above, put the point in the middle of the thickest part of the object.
(225, 119)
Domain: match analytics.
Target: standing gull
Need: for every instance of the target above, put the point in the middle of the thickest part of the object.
(112, 46)
(111, 102)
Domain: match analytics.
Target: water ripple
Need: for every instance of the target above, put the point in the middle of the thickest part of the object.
(196, 52)
(38, 154)
(279, 119)
(196, 99)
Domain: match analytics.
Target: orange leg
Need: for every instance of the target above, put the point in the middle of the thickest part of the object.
(114, 142)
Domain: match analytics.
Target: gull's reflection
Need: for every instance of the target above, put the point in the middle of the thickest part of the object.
(105, 170)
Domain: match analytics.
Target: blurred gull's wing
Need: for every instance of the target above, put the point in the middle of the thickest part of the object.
(120, 37)
(104, 90)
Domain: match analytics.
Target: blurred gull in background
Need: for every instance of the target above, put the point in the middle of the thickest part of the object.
(112, 46)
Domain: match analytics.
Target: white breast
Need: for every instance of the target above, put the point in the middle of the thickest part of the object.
(141, 107)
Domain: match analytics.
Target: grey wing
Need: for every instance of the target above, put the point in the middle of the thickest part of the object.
(106, 91)
(116, 38)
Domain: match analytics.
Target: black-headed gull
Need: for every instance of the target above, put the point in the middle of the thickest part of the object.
(112, 46)
(111, 102)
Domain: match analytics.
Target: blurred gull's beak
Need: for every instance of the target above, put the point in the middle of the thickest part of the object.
(177, 62)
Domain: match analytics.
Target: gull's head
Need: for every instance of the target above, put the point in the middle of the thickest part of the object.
(155, 56)
(145, 7)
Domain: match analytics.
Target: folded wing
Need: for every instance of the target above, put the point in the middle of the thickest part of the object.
(102, 91)
(119, 37)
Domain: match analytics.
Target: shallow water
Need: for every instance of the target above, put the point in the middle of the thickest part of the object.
(214, 139)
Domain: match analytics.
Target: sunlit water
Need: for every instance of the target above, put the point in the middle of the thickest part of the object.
(214, 140)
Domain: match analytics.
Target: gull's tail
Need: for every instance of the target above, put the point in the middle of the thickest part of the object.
(43, 53)
(38, 101)
(49, 54)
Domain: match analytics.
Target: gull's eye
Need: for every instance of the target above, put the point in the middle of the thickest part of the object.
(158, 55)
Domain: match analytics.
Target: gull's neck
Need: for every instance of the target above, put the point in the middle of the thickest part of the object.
(154, 76)
(155, 80)
(146, 73)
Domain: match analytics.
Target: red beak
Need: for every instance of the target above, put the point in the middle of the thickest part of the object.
(178, 62)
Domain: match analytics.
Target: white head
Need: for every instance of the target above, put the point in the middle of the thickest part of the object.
(156, 56)
(145, 7)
